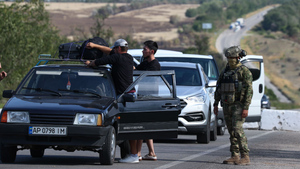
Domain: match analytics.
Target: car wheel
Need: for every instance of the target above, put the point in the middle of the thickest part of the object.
(107, 154)
(8, 154)
(213, 134)
(124, 148)
(204, 137)
(220, 131)
(37, 152)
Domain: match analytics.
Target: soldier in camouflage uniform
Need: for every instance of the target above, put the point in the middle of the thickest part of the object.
(234, 90)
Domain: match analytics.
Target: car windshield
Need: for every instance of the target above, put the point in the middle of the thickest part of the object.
(66, 82)
(209, 66)
(185, 76)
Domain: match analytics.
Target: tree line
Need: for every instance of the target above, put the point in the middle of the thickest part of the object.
(285, 18)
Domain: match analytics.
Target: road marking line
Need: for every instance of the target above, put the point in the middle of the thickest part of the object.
(172, 164)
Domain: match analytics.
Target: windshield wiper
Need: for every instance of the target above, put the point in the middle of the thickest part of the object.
(81, 91)
(41, 89)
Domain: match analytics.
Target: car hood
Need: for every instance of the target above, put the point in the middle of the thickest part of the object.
(48, 103)
(185, 91)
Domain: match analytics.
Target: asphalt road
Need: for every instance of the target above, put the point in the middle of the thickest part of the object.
(230, 38)
(269, 150)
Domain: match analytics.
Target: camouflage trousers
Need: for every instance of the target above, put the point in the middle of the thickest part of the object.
(234, 123)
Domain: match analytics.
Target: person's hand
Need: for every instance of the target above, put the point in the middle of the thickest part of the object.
(216, 110)
(90, 63)
(87, 62)
(90, 45)
(2, 74)
(245, 113)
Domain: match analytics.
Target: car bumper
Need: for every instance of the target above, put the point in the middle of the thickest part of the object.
(191, 120)
(83, 136)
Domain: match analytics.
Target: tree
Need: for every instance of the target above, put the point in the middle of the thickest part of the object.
(25, 32)
(202, 44)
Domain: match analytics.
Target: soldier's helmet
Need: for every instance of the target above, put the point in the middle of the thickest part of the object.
(235, 52)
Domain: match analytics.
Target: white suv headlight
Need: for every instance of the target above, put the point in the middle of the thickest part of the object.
(88, 119)
(197, 98)
(17, 117)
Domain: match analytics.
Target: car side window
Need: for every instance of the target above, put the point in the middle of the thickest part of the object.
(153, 87)
(205, 76)
(212, 71)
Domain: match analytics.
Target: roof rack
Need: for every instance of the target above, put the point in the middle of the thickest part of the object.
(47, 57)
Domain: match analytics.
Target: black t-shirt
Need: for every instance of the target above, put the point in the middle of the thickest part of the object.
(145, 65)
(149, 66)
(122, 69)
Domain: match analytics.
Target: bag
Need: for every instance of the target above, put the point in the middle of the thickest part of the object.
(91, 54)
(69, 50)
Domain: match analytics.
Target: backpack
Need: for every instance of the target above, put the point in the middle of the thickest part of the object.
(91, 54)
(229, 85)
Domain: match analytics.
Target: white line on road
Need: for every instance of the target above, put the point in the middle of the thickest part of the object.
(174, 163)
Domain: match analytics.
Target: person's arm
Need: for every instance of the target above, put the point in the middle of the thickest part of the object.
(247, 88)
(247, 85)
(2, 74)
(217, 94)
(104, 49)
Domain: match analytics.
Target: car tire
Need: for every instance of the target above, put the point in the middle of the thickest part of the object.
(213, 134)
(220, 131)
(204, 138)
(124, 148)
(8, 154)
(107, 154)
(37, 152)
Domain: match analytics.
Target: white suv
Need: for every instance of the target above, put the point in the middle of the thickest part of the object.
(196, 115)
(253, 62)
(211, 70)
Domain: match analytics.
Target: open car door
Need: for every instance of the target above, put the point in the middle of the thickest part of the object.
(154, 114)
(256, 66)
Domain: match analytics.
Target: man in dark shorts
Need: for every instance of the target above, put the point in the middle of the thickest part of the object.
(149, 63)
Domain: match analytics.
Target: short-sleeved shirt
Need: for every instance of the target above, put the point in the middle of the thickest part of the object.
(122, 69)
(145, 65)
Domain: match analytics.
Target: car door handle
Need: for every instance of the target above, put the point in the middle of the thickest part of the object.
(169, 105)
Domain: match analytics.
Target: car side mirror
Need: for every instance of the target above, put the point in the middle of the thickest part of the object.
(8, 93)
(129, 97)
(211, 84)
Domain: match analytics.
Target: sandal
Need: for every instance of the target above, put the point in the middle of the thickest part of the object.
(149, 157)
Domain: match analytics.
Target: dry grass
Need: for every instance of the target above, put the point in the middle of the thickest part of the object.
(281, 60)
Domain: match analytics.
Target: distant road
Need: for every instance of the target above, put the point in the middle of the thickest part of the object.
(229, 38)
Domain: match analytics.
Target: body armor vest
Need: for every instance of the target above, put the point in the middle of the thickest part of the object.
(230, 86)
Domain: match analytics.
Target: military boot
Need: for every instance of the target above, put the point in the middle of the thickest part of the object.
(232, 160)
(245, 160)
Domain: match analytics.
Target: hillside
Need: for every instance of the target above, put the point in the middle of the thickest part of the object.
(147, 23)
(282, 61)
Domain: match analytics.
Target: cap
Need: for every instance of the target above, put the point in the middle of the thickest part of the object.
(233, 52)
(121, 42)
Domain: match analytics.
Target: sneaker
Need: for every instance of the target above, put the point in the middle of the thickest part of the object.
(149, 157)
(129, 159)
(140, 158)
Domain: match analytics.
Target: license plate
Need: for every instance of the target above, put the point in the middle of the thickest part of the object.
(34, 130)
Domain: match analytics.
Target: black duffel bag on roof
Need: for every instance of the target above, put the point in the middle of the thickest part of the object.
(91, 54)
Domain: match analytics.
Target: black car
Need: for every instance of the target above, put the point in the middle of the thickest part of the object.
(72, 107)
(265, 102)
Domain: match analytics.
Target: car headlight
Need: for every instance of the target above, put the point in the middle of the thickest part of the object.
(197, 98)
(15, 117)
(88, 119)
